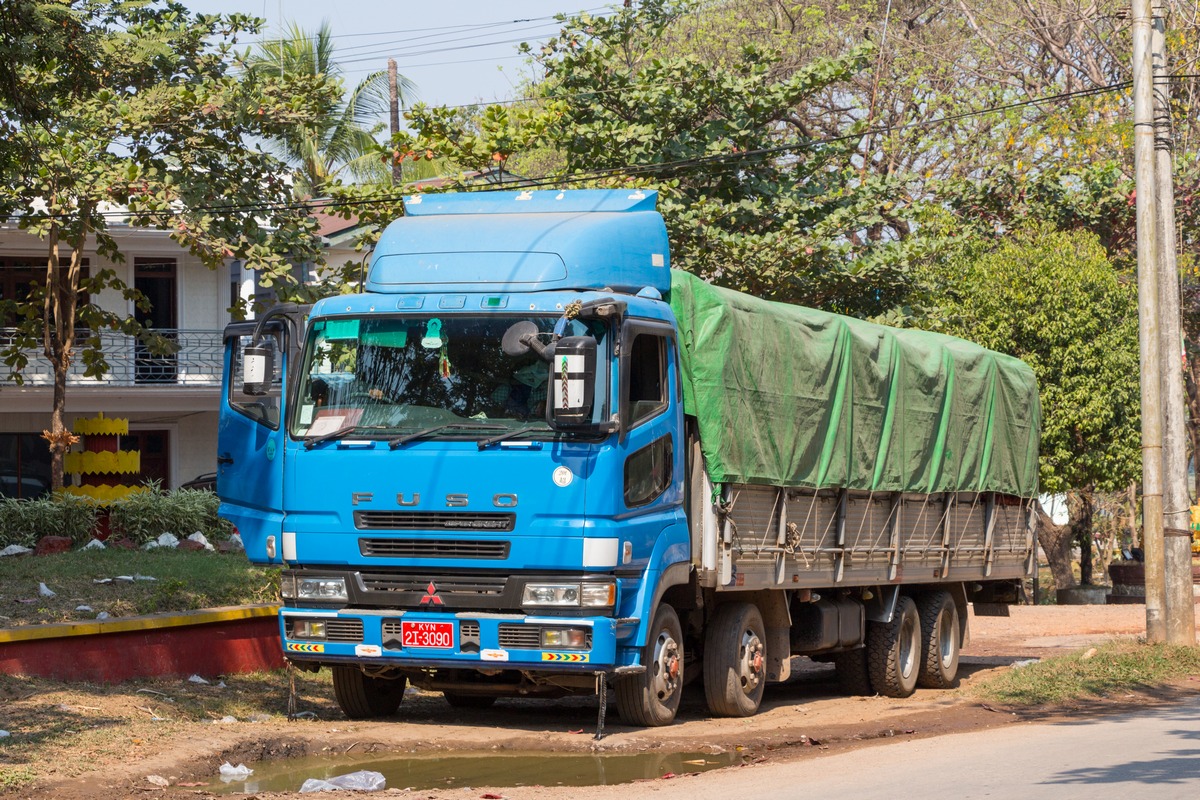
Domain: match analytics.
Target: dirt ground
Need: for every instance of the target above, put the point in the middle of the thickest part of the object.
(117, 742)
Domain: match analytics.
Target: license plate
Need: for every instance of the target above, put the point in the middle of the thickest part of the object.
(436, 635)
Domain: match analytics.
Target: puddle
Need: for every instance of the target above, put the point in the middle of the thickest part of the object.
(444, 771)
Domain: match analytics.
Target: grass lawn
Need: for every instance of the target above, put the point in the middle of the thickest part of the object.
(184, 581)
(1100, 671)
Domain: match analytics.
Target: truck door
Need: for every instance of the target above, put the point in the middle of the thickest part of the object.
(250, 448)
(651, 448)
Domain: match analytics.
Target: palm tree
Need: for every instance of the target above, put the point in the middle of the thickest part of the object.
(341, 141)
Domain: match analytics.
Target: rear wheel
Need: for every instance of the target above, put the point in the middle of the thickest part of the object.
(939, 640)
(852, 674)
(651, 698)
(735, 660)
(362, 697)
(894, 651)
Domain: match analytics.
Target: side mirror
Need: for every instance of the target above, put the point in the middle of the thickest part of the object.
(572, 382)
(258, 368)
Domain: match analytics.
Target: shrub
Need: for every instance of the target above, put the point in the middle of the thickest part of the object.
(146, 515)
(23, 522)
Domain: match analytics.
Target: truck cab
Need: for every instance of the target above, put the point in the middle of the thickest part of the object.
(473, 471)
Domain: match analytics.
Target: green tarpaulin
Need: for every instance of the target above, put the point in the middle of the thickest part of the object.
(790, 396)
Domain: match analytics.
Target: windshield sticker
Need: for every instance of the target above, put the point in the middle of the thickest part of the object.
(341, 329)
(432, 340)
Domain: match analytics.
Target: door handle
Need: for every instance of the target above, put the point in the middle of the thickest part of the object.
(224, 458)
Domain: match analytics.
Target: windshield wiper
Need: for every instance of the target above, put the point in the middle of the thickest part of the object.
(503, 437)
(313, 441)
(411, 437)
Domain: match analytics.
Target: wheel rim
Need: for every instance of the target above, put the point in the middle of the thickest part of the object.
(666, 666)
(751, 661)
(946, 634)
(909, 644)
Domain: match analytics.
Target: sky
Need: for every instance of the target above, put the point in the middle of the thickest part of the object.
(455, 51)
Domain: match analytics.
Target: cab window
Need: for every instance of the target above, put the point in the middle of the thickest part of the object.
(647, 378)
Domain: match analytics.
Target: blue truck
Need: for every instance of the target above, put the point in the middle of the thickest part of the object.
(531, 459)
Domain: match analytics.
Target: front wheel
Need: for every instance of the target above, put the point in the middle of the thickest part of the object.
(363, 697)
(735, 660)
(894, 651)
(651, 699)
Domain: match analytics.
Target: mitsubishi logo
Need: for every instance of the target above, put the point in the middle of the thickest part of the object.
(431, 596)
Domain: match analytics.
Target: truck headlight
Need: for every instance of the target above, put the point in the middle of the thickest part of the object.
(574, 595)
(322, 589)
(551, 594)
(598, 595)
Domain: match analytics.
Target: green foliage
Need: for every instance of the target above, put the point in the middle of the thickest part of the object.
(23, 522)
(1053, 299)
(146, 515)
(1097, 197)
(1112, 667)
(750, 199)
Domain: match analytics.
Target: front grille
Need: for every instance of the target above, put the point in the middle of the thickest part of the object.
(344, 630)
(434, 521)
(432, 548)
(521, 637)
(446, 586)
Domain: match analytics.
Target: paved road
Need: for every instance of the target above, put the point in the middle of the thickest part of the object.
(1154, 753)
(1151, 754)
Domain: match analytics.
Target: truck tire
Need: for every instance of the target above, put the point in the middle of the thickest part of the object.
(735, 660)
(894, 651)
(362, 697)
(651, 698)
(852, 674)
(940, 641)
(469, 701)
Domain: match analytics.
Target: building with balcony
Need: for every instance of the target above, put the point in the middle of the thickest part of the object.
(171, 401)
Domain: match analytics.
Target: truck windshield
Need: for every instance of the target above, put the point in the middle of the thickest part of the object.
(385, 377)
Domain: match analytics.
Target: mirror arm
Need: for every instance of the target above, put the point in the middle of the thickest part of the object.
(544, 352)
(285, 310)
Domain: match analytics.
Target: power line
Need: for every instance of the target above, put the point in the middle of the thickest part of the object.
(407, 43)
(635, 170)
(450, 28)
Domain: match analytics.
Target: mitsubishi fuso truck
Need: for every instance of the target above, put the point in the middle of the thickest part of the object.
(531, 459)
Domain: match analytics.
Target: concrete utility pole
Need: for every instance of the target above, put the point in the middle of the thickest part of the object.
(1180, 604)
(394, 108)
(1148, 323)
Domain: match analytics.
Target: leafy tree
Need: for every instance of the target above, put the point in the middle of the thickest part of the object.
(1053, 299)
(339, 139)
(750, 200)
(156, 122)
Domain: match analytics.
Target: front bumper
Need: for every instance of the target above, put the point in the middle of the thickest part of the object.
(465, 639)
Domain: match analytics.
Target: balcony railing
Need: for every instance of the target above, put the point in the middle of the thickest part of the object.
(198, 361)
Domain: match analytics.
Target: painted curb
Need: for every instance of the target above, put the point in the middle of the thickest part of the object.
(210, 642)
